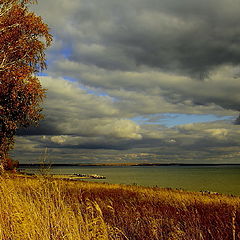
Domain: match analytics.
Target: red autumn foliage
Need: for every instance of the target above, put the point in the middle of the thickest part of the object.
(23, 40)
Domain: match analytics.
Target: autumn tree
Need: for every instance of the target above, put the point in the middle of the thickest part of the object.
(23, 39)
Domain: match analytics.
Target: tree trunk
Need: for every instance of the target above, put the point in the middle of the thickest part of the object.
(6, 142)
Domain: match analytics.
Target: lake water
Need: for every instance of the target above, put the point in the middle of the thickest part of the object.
(222, 179)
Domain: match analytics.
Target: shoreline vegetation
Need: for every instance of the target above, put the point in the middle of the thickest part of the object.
(43, 207)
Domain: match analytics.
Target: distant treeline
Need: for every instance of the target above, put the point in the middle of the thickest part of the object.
(124, 164)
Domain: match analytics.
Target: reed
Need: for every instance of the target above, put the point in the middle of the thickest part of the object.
(45, 208)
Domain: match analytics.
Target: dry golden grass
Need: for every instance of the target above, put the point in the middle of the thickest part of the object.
(45, 208)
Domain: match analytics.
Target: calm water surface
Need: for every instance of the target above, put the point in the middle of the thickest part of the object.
(222, 179)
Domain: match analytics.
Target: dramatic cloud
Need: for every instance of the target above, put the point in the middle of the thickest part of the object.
(70, 110)
(191, 37)
(116, 68)
(216, 142)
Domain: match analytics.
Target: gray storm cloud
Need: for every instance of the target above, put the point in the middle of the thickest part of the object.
(153, 47)
(221, 88)
(188, 37)
(134, 58)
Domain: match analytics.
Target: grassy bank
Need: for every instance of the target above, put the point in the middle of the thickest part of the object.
(40, 208)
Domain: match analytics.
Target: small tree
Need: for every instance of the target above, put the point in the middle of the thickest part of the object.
(23, 40)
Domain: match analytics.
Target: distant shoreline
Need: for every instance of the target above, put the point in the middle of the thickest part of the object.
(124, 164)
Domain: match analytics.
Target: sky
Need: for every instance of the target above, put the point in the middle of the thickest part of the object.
(153, 81)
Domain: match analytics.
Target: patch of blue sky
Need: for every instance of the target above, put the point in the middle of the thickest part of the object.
(70, 79)
(89, 90)
(174, 119)
(95, 92)
(66, 51)
(42, 74)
